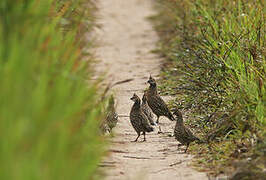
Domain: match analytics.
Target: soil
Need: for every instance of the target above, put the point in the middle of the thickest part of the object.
(126, 40)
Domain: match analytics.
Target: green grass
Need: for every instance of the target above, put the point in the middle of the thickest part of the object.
(49, 112)
(216, 66)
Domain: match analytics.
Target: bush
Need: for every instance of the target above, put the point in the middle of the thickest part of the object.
(49, 112)
(216, 52)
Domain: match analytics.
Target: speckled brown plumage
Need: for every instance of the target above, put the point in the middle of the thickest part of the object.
(181, 132)
(138, 119)
(104, 127)
(146, 109)
(156, 103)
(111, 117)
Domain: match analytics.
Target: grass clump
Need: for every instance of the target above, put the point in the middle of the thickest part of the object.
(216, 66)
(49, 112)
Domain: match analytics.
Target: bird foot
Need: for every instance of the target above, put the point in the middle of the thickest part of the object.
(134, 140)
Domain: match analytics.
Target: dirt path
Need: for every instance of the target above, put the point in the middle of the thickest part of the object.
(126, 41)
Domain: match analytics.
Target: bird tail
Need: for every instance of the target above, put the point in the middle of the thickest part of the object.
(200, 141)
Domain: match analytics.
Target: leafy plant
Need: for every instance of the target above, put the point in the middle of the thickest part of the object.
(49, 112)
(216, 64)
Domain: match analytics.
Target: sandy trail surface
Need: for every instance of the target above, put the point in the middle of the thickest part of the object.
(126, 39)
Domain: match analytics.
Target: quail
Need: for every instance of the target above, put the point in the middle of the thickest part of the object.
(111, 116)
(138, 119)
(182, 133)
(146, 109)
(156, 103)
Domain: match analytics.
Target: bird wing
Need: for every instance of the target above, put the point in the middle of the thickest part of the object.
(150, 113)
(161, 105)
(137, 118)
(190, 135)
(147, 111)
(144, 120)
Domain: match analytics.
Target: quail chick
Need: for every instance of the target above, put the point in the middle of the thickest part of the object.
(156, 103)
(146, 109)
(182, 133)
(138, 119)
(111, 117)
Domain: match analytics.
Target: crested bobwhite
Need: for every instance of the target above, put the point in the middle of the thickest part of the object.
(156, 103)
(181, 132)
(138, 119)
(112, 116)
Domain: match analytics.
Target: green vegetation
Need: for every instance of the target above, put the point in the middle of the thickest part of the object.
(49, 112)
(216, 67)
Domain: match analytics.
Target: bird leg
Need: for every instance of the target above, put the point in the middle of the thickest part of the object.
(144, 136)
(160, 130)
(157, 121)
(187, 147)
(136, 138)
